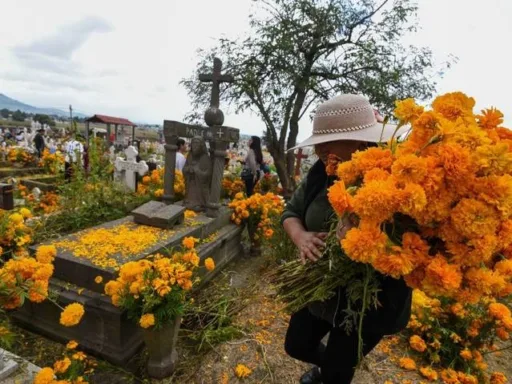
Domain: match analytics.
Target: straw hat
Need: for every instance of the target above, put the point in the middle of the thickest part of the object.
(347, 117)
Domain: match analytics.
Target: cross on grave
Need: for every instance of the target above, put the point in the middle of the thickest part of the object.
(298, 160)
(131, 167)
(216, 78)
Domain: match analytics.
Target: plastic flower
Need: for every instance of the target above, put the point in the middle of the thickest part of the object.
(46, 253)
(209, 264)
(147, 320)
(44, 376)
(72, 314)
(242, 371)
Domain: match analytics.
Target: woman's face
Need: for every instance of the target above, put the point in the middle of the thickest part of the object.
(342, 149)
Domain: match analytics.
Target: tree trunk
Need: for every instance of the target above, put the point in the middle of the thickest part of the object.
(292, 136)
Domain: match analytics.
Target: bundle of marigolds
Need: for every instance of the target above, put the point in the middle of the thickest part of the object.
(260, 212)
(52, 162)
(153, 291)
(434, 209)
(445, 333)
(73, 368)
(232, 185)
(15, 234)
(154, 184)
(23, 277)
(19, 155)
(268, 183)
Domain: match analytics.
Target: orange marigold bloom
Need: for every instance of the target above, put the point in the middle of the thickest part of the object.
(490, 118)
(376, 174)
(209, 264)
(332, 165)
(72, 314)
(376, 201)
(409, 169)
(364, 244)
(147, 320)
(473, 218)
(339, 198)
(412, 200)
(456, 162)
(453, 105)
(44, 376)
(498, 378)
(504, 267)
(466, 354)
(348, 172)
(429, 373)
(189, 242)
(417, 343)
(373, 158)
(485, 281)
(62, 366)
(441, 278)
(395, 265)
(449, 376)
(46, 253)
(407, 363)
(407, 110)
(502, 334)
(499, 311)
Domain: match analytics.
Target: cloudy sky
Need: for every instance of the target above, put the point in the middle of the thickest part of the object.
(126, 58)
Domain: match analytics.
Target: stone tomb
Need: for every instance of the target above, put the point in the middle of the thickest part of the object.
(104, 330)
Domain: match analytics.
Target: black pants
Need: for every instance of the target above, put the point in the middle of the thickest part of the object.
(338, 359)
(249, 186)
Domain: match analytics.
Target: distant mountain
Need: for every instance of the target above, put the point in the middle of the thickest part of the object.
(14, 105)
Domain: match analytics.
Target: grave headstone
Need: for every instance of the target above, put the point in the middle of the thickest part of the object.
(6, 197)
(131, 167)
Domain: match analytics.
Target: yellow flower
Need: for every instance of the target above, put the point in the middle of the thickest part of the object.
(46, 253)
(146, 179)
(466, 354)
(25, 213)
(72, 344)
(189, 242)
(209, 264)
(407, 110)
(498, 378)
(80, 356)
(490, 118)
(44, 376)
(16, 218)
(189, 214)
(72, 314)
(242, 371)
(147, 320)
(429, 373)
(98, 279)
(62, 366)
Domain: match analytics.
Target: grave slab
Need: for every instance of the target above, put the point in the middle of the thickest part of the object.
(20, 370)
(158, 214)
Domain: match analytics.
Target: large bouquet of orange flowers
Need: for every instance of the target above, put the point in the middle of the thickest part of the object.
(153, 291)
(53, 163)
(434, 208)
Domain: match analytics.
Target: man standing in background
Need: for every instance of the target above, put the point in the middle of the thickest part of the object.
(39, 142)
(180, 155)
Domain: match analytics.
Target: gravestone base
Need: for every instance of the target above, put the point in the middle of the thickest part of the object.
(105, 331)
(7, 367)
(158, 214)
(16, 370)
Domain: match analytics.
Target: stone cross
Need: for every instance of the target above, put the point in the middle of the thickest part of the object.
(130, 167)
(216, 78)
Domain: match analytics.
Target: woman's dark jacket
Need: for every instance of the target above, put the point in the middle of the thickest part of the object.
(309, 203)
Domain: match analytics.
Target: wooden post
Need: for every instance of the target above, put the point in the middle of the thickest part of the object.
(133, 133)
(87, 133)
(115, 133)
(108, 135)
(298, 160)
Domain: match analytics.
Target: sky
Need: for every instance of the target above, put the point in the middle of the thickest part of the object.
(126, 58)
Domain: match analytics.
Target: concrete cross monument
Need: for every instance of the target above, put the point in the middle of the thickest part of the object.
(130, 167)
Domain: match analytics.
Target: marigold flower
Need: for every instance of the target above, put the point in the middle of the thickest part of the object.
(407, 363)
(72, 314)
(498, 378)
(147, 320)
(502, 334)
(80, 356)
(25, 213)
(209, 264)
(46, 253)
(16, 218)
(339, 198)
(417, 343)
(407, 110)
(347, 172)
(395, 264)
(490, 118)
(499, 311)
(409, 169)
(72, 344)
(441, 278)
(449, 376)
(98, 279)
(466, 354)
(44, 376)
(242, 371)
(376, 201)
(429, 373)
(364, 245)
(62, 366)
(453, 105)
(189, 242)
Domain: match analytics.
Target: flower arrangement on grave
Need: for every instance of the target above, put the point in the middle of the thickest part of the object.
(446, 333)
(73, 368)
(15, 234)
(231, 185)
(23, 277)
(19, 155)
(268, 183)
(153, 291)
(154, 184)
(53, 163)
(434, 209)
(259, 212)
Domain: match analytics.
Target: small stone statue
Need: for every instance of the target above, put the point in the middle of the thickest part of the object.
(197, 173)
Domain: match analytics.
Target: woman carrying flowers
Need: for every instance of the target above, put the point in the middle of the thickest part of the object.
(342, 126)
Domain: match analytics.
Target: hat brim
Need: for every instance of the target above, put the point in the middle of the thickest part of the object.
(374, 134)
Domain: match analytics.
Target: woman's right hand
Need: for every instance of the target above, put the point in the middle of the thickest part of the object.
(310, 245)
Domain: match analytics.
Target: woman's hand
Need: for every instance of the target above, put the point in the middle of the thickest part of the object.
(310, 245)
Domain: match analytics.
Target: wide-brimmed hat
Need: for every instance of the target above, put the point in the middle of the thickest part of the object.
(347, 117)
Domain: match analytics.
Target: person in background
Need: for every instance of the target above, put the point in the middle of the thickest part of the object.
(180, 155)
(253, 161)
(39, 142)
(73, 151)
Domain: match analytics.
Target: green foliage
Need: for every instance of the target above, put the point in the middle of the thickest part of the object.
(19, 116)
(280, 247)
(302, 52)
(4, 113)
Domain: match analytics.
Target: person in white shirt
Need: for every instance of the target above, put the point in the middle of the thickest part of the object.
(180, 157)
(73, 150)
